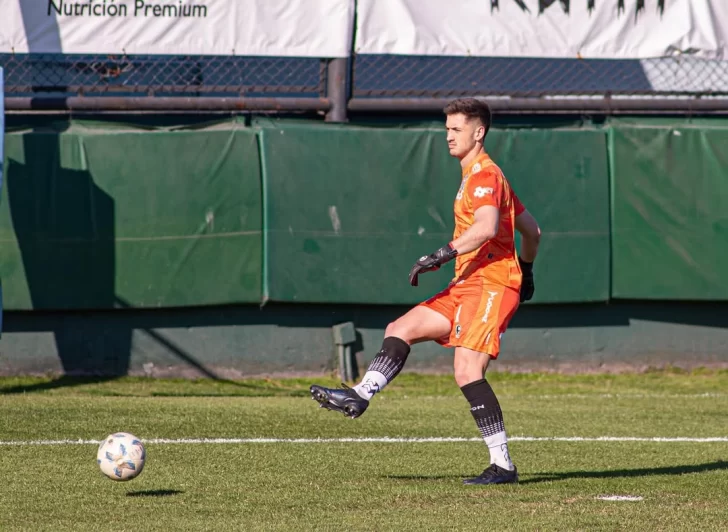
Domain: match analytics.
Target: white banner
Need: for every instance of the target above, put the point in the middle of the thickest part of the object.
(303, 28)
(544, 28)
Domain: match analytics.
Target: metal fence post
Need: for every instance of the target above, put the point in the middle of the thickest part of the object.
(336, 74)
(344, 338)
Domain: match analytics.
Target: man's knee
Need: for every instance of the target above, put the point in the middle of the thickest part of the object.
(392, 329)
(469, 366)
(419, 324)
(462, 376)
(401, 328)
(465, 374)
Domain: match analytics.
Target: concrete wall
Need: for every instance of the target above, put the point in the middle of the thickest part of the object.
(238, 341)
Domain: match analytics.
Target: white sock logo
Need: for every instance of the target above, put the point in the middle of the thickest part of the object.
(370, 386)
(504, 450)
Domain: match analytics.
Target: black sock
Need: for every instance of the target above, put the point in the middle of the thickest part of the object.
(488, 417)
(391, 357)
(385, 367)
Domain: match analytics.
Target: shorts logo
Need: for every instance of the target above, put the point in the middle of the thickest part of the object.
(489, 305)
(458, 328)
(480, 192)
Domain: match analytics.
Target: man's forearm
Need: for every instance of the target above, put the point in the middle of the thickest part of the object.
(529, 248)
(475, 236)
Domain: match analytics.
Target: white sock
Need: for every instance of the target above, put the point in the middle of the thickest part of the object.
(498, 447)
(373, 382)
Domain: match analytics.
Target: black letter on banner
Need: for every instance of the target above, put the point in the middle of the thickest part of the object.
(493, 6)
(543, 5)
(56, 8)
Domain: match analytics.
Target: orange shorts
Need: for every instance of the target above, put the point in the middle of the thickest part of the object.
(479, 313)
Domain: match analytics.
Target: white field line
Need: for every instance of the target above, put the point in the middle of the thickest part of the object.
(590, 396)
(243, 441)
(707, 395)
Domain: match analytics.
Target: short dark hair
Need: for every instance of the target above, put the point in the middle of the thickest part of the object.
(471, 108)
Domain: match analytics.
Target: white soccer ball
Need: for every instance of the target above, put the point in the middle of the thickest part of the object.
(121, 456)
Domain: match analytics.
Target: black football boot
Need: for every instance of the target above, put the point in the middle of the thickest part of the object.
(344, 400)
(494, 475)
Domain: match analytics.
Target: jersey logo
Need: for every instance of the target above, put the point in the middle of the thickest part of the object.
(482, 191)
(462, 187)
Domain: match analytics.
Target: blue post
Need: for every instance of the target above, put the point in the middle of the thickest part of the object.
(2, 163)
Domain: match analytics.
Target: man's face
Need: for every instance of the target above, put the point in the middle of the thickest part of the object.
(462, 134)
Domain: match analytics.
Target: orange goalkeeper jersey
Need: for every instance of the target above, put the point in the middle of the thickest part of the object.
(495, 261)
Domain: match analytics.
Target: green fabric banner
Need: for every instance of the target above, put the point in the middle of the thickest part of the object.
(99, 215)
(669, 210)
(107, 218)
(350, 209)
(561, 176)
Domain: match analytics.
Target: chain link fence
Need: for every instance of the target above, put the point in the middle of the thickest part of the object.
(364, 82)
(437, 77)
(149, 75)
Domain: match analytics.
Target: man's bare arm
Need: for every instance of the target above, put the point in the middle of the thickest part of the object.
(483, 229)
(530, 236)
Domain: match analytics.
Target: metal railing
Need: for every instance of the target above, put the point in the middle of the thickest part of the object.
(363, 83)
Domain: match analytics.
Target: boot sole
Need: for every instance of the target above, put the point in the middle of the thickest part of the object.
(319, 395)
(475, 482)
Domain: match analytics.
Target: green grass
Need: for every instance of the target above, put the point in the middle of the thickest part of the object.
(367, 486)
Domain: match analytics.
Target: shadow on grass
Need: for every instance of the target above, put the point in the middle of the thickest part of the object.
(154, 493)
(59, 382)
(616, 473)
(627, 473)
(245, 389)
(429, 477)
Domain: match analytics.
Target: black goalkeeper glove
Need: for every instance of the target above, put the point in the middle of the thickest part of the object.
(527, 286)
(432, 262)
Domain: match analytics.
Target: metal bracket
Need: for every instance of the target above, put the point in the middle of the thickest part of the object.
(344, 338)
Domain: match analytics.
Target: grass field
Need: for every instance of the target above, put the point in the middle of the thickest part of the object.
(281, 463)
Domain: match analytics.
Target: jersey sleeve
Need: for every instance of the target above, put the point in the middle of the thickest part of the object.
(485, 188)
(518, 207)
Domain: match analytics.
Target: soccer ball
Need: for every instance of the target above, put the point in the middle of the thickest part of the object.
(121, 456)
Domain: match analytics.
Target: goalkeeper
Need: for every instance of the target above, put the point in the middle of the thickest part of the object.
(474, 310)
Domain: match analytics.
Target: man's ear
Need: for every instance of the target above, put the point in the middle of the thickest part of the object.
(480, 133)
